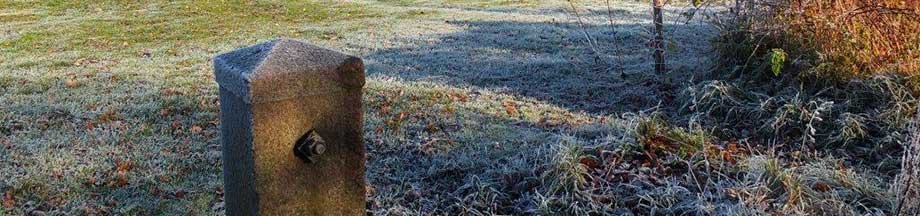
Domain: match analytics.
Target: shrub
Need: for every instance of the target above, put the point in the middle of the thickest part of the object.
(837, 77)
(832, 39)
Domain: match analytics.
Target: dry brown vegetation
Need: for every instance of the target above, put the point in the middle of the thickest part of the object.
(843, 38)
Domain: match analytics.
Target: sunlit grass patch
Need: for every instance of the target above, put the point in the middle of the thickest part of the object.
(110, 107)
(465, 3)
(112, 26)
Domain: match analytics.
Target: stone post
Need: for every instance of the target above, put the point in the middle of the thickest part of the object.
(291, 130)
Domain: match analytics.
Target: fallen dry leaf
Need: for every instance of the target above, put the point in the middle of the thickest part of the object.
(179, 194)
(71, 83)
(121, 173)
(821, 186)
(169, 92)
(384, 109)
(121, 179)
(123, 166)
(176, 124)
(91, 181)
(459, 97)
(108, 116)
(510, 108)
(728, 156)
(195, 129)
(449, 110)
(431, 128)
(164, 178)
(589, 161)
(8, 201)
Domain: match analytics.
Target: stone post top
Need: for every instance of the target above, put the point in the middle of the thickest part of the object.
(286, 68)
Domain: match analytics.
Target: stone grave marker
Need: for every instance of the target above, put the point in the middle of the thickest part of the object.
(291, 130)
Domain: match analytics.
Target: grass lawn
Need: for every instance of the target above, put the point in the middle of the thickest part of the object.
(472, 107)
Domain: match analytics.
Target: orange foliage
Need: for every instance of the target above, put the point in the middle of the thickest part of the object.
(858, 36)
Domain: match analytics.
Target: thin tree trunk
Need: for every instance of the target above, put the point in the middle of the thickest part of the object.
(908, 182)
(658, 42)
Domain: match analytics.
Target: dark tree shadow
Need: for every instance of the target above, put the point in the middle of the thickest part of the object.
(548, 61)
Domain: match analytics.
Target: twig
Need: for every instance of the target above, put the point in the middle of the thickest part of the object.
(584, 29)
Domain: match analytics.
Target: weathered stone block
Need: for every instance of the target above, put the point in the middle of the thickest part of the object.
(273, 95)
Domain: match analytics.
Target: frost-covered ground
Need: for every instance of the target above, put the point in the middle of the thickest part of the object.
(546, 53)
(472, 107)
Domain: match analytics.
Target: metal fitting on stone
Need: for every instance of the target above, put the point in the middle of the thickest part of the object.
(309, 147)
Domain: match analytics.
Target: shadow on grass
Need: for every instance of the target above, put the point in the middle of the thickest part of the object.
(548, 61)
(477, 159)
